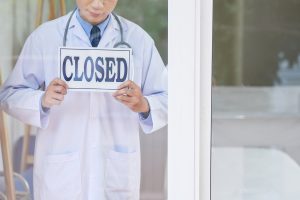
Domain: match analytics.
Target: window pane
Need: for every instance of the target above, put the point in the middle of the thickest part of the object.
(255, 100)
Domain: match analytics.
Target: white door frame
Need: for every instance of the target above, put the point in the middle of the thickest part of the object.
(190, 64)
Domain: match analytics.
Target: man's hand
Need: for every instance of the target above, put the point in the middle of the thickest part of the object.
(131, 95)
(55, 93)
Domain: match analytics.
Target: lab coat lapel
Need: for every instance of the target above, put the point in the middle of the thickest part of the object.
(80, 34)
(75, 29)
(111, 34)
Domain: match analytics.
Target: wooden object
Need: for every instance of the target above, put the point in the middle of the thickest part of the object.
(52, 10)
(7, 163)
(63, 9)
(39, 15)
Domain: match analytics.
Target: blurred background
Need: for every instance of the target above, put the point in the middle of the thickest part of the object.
(18, 19)
(256, 100)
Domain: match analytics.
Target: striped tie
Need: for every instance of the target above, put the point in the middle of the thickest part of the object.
(95, 36)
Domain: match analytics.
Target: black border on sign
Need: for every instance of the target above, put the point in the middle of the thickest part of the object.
(60, 65)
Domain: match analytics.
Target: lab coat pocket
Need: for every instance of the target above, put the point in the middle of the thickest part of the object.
(122, 176)
(62, 177)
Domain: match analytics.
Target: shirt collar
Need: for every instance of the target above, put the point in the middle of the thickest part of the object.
(87, 27)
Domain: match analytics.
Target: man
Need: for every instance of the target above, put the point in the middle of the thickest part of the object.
(87, 145)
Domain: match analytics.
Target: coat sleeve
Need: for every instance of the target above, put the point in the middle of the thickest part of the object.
(154, 88)
(20, 95)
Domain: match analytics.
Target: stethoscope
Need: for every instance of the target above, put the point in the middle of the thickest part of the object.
(122, 43)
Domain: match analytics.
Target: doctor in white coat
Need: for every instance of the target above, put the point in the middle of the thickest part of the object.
(87, 145)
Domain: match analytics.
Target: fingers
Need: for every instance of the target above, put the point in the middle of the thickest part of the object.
(128, 88)
(54, 94)
(127, 92)
(52, 102)
(131, 96)
(58, 86)
(59, 82)
(124, 98)
(57, 96)
(127, 84)
(124, 92)
(60, 89)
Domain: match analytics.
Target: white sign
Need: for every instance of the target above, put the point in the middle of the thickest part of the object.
(93, 69)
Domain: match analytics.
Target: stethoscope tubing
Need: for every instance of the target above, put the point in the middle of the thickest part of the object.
(118, 44)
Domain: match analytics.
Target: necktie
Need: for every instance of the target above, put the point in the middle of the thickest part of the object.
(95, 36)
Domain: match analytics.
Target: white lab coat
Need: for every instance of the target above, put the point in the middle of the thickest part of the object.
(88, 147)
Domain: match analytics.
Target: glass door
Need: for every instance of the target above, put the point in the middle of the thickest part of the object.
(256, 100)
